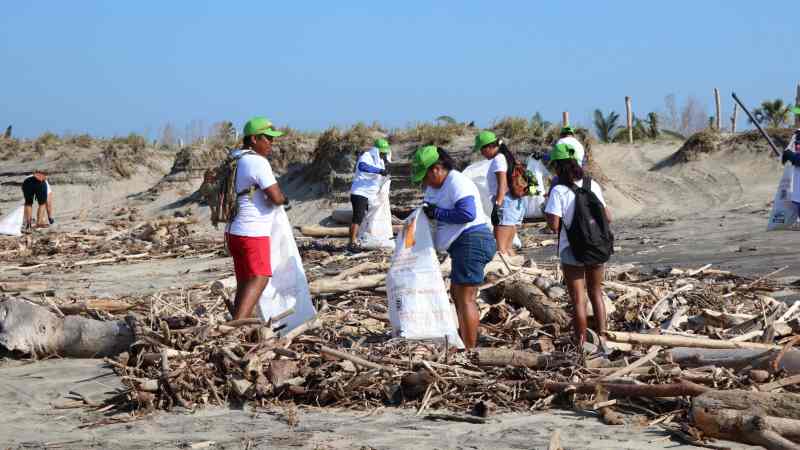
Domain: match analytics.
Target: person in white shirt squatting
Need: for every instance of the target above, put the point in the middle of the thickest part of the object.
(452, 202)
(248, 234)
(371, 171)
(559, 212)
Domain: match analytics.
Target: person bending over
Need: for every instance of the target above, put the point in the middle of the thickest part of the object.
(371, 171)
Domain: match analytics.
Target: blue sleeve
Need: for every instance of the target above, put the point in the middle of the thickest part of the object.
(463, 212)
(794, 158)
(364, 167)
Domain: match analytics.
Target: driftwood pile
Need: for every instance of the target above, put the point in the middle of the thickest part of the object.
(700, 352)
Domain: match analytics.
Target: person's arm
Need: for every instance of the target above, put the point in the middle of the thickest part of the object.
(502, 187)
(464, 211)
(275, 195)
(364, 167)
(553, 222)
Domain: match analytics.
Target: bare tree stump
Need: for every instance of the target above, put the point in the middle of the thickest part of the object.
(33, 329)
(519, 358)
(523, 293)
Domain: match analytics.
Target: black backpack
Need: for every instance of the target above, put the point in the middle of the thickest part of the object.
(590, 237)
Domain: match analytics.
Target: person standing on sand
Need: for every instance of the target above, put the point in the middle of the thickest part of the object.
(248, 234)
(371, 170)
(36, 186)
(460, 227)
(507, 211)
(794, 158)
(560, 212)
(567, 136)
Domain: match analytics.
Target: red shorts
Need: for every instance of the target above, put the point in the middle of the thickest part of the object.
(250, 256)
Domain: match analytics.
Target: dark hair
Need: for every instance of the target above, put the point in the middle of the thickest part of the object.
(247, 141)
(568, 171)
(445, 159)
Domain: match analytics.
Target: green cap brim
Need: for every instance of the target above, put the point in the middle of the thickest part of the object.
(796, 110)
(418, 175)
(272, 133)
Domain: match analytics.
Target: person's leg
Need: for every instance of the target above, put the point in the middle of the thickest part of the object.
(359, 204)
(26, 215)
(594, 284)
(247, 295)
(467, 311)
(40, 210)
(574, 277)
(504, 235)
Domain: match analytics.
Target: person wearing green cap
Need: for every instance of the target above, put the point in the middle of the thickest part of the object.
(459, 227)
(507, 211)
(560, 212)
(371, 171)
(567, 136)
(248, 234)
(792, 154)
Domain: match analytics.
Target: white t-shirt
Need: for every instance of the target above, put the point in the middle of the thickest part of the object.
(561, 203)
(256, 211)
(455, 187)
(580, 152)
(499, 164)
(795, 177)
(367, 184)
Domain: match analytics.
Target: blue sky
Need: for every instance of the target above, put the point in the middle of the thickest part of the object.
(109, 68)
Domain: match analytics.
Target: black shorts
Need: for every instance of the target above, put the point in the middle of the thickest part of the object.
(360, 207)
(31, 188)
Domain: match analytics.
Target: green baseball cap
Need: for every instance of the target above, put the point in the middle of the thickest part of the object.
(422, 160)
(382, 145)
(796, 109)
(260, 125)
(483, 139)
(562, 151)
(567, 129)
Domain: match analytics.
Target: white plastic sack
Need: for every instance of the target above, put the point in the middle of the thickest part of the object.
(288, 287)
(477, 172)
(534, 203)
(419, 307)
(376, 229)
(11, 223)
(784, 213)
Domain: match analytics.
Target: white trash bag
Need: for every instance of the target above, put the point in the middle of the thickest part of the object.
(534, 203)
(419, 306)
(288, 287)
(477, 172)
(376, 229)
(784, 213)
(11, 223)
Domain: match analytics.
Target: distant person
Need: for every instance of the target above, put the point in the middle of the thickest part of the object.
(371, 171)
(507, 211)
(7, 135)
(567, 136)
(794, 158)
(560, 212)
(37, 187)
(248, 234)
(461, 228)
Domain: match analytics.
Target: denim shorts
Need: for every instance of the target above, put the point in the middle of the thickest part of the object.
(513, 211)
(469, 254)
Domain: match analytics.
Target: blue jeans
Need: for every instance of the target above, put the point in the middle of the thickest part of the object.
(469, 254)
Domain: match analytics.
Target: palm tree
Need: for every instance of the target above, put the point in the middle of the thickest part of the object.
(653, 129)
(773, 113)
(605, 125)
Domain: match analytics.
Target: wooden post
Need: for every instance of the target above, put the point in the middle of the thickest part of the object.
(733, 118)
(797, 103)
(628, 110)
(565, 119)
(718, 117)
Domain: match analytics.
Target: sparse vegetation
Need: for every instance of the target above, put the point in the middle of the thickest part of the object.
(429, 133)
(605, 125)
(774, 113)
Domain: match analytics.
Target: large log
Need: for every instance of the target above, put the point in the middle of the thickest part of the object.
(683, 341)
(321, 232)
(759, 418)
(518, 358)
(681, 389)
(521, 292)
(33, 329)
(736, 358)
(335, 285)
